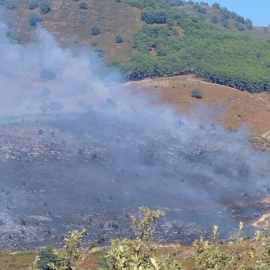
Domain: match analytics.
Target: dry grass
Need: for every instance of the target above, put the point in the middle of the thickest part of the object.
(16, 261)
(72, 25)
(232, 107)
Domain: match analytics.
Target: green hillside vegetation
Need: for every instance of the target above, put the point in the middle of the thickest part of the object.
(217, 54)
(157, 38)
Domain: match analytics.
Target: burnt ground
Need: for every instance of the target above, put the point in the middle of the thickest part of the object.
(69, 171)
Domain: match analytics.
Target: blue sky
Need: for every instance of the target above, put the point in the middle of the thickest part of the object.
(256, 10)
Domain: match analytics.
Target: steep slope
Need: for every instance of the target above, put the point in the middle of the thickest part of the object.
(72, 24)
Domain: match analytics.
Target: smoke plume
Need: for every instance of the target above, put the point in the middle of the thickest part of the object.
(74, 149)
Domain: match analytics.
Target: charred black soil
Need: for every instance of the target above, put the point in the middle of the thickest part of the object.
(68, 171)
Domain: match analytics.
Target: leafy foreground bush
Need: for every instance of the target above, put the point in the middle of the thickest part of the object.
(68, 258)
(239, 253)
(140, 253)
(135, 254)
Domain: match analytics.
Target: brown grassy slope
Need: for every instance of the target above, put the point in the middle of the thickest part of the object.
(234, 107)
(72, 25)
(16, 261)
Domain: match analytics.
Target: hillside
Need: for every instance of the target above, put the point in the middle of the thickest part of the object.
(75, 29)
(228, 106)
(161, 39)
(149, 39)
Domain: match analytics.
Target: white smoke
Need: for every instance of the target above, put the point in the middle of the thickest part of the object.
(147, 154)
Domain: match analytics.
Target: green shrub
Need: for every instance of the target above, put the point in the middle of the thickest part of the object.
(139, 253)
(196, 93)
(34, 19)
(10, 5)
(154, 16)
(241, 28)
(67, 258)
(94, 43)
(214, 19)
(239, 253)
(153, 4)
(119, 38)
(83, 6)
(199, 8)
(95, 30)
(45, 8)
(33, 5)
(100, 53)
(13, 38)
(45, 257)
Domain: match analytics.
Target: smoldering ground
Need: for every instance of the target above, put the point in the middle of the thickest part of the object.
(75, 152)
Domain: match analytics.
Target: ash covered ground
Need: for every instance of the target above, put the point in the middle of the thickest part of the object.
(75, 153)
(73, 170)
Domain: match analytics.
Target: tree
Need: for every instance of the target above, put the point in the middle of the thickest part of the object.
(214, 19)
(68, 258)
(226, 23)
(216, 5)
(200, 9)
(249, 24)
(240, 19)
(95, 30)
(140, 253)
(154, 16)
(45, 257)
(119, 38)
